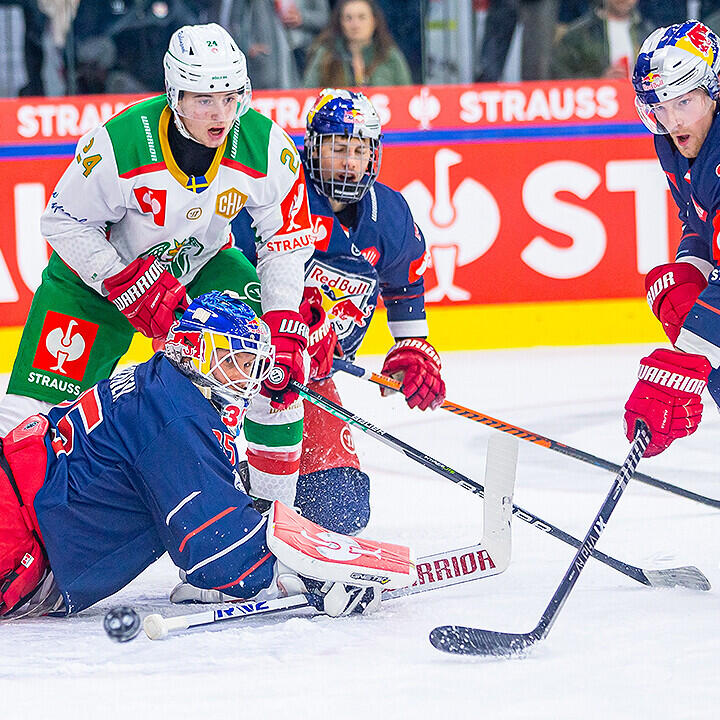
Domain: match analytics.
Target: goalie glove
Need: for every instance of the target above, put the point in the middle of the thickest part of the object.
(416, 364)
(323, 341)
(290, 338)
(667, 397)
(672, 289)
(148, 295)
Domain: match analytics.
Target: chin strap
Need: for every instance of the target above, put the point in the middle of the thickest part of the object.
(181, 127)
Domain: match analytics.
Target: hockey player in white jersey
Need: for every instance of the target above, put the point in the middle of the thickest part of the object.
(139, 224)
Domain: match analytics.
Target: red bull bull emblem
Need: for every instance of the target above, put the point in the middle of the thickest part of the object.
(354, 116)
(652, 80)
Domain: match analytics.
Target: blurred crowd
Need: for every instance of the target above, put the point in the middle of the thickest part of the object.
(58, 47)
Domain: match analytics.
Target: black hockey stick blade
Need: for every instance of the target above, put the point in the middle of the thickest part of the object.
(460, 640)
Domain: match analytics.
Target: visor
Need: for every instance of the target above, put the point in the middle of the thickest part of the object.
(679, 113)
(211, 107)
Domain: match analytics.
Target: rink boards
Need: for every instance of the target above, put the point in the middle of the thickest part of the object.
(542, 204)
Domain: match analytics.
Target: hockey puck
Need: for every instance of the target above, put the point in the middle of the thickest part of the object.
(122, 624)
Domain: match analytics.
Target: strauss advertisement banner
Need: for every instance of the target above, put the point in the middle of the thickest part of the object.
(536, 200)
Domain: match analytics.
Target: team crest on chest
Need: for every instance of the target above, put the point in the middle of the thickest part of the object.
(176, 254)
(346, 296)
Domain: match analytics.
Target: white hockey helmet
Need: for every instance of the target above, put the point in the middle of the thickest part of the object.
(672, 62)
(205, 59)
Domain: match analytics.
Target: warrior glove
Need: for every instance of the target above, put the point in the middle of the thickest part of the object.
(416, 364)
(667, 397)
(323, 342)
(290, 338)
(148, 295)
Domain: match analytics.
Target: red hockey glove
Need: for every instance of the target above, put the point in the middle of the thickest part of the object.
(667, 397)
(323, 341)
(672, 290)
(416, 364)
(148, 295)
(290, 338)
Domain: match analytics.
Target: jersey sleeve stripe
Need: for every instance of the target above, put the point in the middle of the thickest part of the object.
(246, 573)
(205, 525)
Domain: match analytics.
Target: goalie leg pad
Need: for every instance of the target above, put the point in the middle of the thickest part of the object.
(337, 498)
(314, 552)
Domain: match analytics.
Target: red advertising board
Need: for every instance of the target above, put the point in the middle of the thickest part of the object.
(525, 193)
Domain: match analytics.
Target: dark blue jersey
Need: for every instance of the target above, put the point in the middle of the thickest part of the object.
(140, 464)
(695, 186)
(381, 252)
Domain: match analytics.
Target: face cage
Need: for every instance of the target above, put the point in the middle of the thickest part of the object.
(208, 361)
(649, 119)
(343, 190)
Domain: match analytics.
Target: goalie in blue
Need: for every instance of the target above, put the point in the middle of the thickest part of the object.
(142, 464)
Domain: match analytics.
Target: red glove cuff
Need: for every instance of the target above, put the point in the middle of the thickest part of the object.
(290, 338)
(672, 290)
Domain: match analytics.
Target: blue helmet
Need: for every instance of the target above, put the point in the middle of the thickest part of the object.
(221, 344)
(674, 61)
(344, 174)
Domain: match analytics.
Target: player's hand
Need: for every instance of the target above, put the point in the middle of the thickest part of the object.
(416, 364)
(148, 295)
(290, 338)
(672, 289)
(667, 397)
(323, 342)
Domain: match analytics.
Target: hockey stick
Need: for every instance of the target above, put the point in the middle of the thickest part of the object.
(489, 557)
(383, 380)
(461, 640)
(686, 576)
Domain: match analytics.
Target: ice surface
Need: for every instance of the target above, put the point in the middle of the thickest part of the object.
(617, 650)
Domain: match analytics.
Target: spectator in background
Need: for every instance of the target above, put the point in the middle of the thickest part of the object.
(22, 51)
(712, 20)
(602, 43)
(538, 18)
(356, 49)
(303, 20)
(95, 60)
(258, 29)
(405, 19)
(140, 31)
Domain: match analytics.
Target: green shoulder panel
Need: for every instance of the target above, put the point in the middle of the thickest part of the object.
(135, 134)
(248, 141)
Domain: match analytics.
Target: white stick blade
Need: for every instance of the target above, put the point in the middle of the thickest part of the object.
(500, 470)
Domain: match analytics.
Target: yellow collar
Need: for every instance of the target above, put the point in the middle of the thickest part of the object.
(172, 166)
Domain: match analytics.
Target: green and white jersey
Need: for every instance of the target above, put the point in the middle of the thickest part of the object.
(124, 196)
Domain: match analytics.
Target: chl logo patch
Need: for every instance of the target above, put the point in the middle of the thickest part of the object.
(64, 346)
(230, 202)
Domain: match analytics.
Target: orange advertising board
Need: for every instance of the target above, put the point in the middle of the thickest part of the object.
(528, 193)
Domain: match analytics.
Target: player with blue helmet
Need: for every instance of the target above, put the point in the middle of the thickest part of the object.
(145, 463)
(366, 246)
(222, 345)
(676, 86)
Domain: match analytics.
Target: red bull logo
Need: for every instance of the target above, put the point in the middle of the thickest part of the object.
(698, 42)
(652, 80)
(353, 116)
(345, 296)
